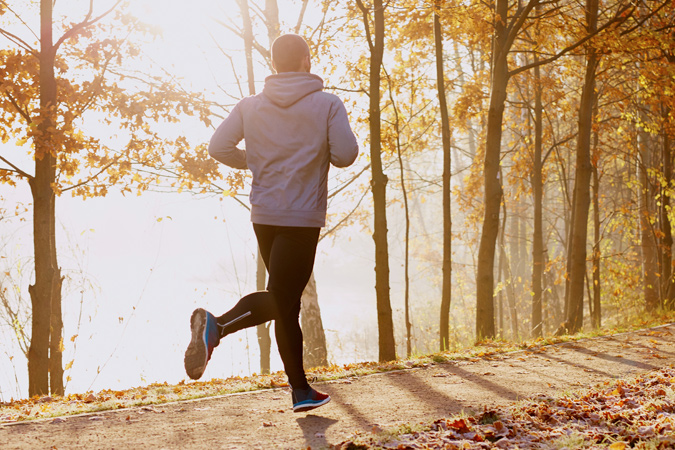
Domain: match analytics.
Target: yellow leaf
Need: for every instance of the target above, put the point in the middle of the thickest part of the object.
(69, 365)
(617, 446)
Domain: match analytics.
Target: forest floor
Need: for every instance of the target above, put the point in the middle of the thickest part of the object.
(385, 409)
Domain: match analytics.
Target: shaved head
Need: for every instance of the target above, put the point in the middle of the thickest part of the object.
(289, 53)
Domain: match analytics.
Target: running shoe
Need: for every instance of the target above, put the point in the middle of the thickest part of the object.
(205, 337)
(306, 399)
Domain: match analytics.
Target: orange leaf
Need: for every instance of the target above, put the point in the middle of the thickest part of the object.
(459, 425)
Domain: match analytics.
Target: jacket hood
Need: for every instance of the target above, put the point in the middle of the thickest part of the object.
(285, 89)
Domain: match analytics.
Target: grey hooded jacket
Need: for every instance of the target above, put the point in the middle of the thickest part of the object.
(293, 131)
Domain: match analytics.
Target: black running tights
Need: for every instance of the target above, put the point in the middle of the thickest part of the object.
(289, 254)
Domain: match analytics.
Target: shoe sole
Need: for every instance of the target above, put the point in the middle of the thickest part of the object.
(196, 355)
(310, 406)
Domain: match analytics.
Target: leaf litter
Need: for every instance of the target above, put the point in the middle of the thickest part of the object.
(637, 412)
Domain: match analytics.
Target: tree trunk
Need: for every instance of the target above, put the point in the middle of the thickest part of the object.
(263, 330)
(538, 194)
(647, 212)
(272, 23)
(515, 257)
(596, 312)
(505, 264)
(446, 293)
(315, 353)
(385, 323)
(56, 320)
(596, 309)
(667, 240)
(582, 182)
(248, 44)
(500, 333)
(47, 273)
(272, 20)
(471, 133)
(485, 323)
(406, 242)
(568, 212)
(56, 332)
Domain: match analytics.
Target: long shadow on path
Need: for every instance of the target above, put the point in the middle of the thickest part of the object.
(482, 382)
(314, 429)
(440, 401)
(613, 359)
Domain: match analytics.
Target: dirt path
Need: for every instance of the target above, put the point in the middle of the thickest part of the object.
(264, 419)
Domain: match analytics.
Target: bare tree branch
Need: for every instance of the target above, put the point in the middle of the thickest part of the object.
(93, 177)
(301, 16)
(265, 53)
(9, 8)
(88, 21)
(364, 10)
(234, 71)
(321, 25)
(346, 217)
(620, 17)
(644, 19)
(357, 91)
(16, 169)
(18, 41)
(18, 108)
(517, 23)
(558, 144)
(351, 180)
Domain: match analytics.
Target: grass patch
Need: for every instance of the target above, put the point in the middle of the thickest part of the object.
(573, 440)
(488, 418)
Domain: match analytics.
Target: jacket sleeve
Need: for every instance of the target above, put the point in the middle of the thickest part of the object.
(223, 145)
(341, 140)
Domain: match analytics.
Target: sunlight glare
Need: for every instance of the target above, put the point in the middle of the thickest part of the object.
(179, 22)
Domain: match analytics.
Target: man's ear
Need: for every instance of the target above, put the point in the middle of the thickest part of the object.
(274, 67)
(307, 64)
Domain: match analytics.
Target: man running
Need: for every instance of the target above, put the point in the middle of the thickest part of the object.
(293, 132)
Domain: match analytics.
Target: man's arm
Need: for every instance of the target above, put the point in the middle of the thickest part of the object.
(223, 145)
(341, 140)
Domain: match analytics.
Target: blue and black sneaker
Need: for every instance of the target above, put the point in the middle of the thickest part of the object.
(306, 399)
(205, 337)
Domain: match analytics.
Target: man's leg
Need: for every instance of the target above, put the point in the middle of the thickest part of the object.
(289, 257)
(207, 330)
(257, 307)
(288, 253)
